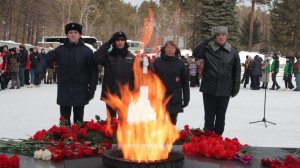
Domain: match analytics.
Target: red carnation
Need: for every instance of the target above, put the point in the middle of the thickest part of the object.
(39, 136)
(88, 152)
(61, 119)
(106, 145)
(183, 135)
(3, 161)
(14, 161)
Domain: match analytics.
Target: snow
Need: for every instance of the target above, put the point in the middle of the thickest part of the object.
(27, 110)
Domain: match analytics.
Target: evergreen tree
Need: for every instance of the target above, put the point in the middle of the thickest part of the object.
(219, 13)
(244, 34)
(285, 20)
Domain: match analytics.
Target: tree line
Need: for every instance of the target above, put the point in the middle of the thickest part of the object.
(250, 29)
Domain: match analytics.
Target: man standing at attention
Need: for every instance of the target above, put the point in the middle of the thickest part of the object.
(77, 73)
(220, 79)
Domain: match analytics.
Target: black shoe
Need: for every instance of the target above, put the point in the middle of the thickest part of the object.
(272, 89)
(18, 87)
(278, 88)
(11, 88)
(296, 89)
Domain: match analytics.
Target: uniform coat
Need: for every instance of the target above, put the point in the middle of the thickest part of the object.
(77, 73)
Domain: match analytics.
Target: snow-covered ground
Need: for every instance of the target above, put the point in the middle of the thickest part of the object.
(24, 111)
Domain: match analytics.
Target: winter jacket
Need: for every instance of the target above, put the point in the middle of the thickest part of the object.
(14, 62)
(27, 65)
(1, 62)
(5, 56)
(118, 68)
(23, 57)
(266, 66)
(257, 66)
(275, 65)
(288, 68)
(34, 60)
(77, 73)
(297, 67)
(266, 69)
(222, 69)
(174, 75)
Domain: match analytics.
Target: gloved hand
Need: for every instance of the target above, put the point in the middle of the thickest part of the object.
(185, 103)
(111, 40)
(234, 93)
(91, 95)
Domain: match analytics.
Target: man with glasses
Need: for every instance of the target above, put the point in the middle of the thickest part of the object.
(118, 66)
(220, 78)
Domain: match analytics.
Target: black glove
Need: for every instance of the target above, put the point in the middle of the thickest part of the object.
(234, 93)
(185, 103)
(91, 95)
(111, 40)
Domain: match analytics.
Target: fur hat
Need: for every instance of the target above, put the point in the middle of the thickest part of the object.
(219, 29)
(73, 26)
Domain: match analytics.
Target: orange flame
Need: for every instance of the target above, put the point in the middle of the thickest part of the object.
(145, 132)
(148, 27)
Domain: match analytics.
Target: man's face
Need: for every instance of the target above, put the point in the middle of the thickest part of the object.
(4, 49)
(73, 36)
(221, 38)
(18, 51)
(120, 43)
(43, 51)
(170, 50)
(35, 49)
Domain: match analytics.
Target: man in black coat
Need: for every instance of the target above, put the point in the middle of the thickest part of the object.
(118, 66)
(23, 60)
(221, 77)
(77, 73)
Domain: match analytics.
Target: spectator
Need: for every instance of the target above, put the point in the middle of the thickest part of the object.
(23, 60)
(35, 58)
(274, 71)
(288, 73)
(13, 65)
(297, 71)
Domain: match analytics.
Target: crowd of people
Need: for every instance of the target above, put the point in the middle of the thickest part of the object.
(257, 72)
(18, 67)
(76, 68)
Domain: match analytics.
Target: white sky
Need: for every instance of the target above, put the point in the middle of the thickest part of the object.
(135, 2)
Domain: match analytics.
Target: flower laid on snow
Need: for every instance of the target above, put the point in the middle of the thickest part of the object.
(208, 144)
(288, 162)
(12, 162)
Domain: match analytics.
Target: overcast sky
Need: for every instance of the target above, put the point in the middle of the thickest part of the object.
(135, 2)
